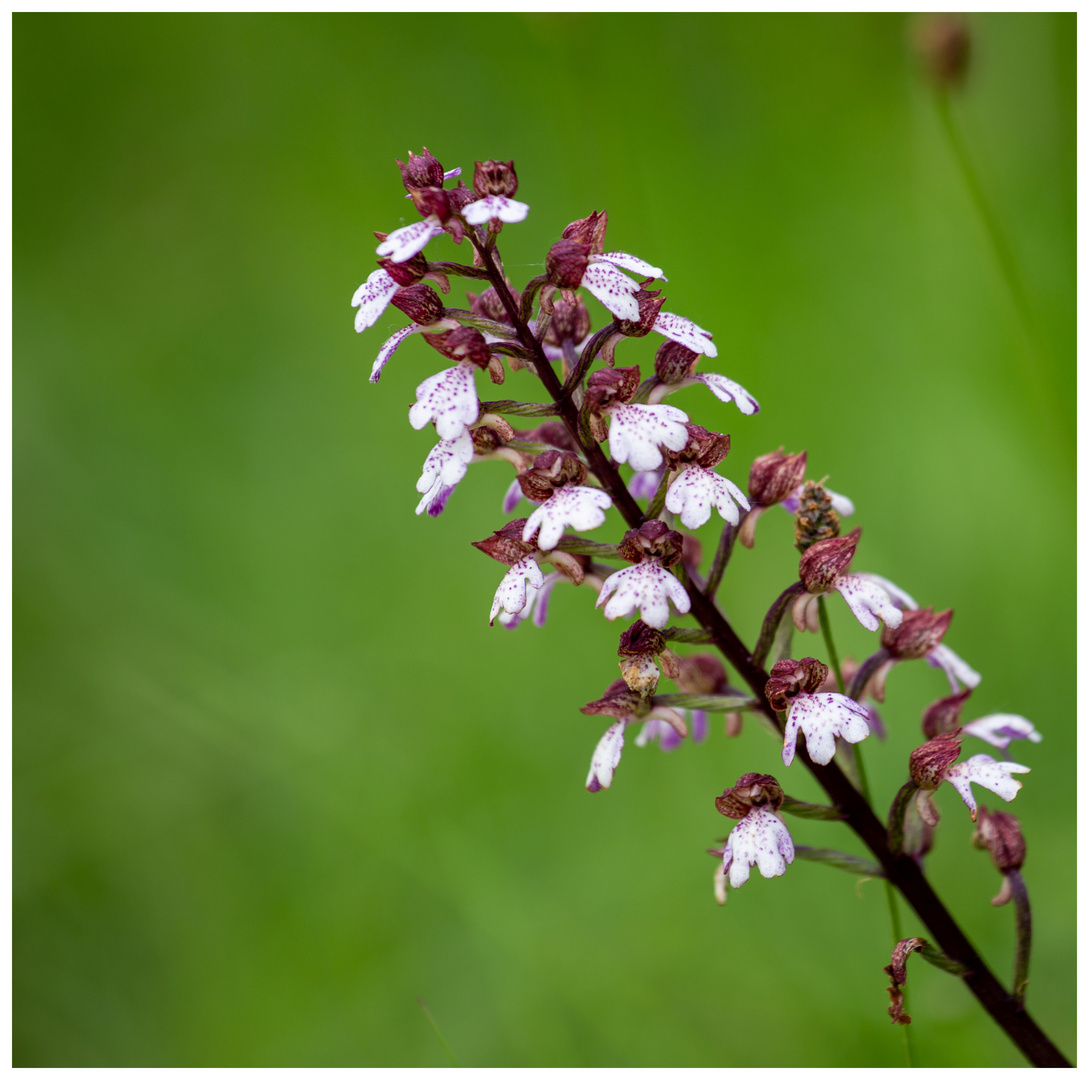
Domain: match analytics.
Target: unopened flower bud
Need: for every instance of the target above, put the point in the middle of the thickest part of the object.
(495, 178)
(944, 45)
(751, 790)
(464, 343)
(928, 763)
(789, 678)
(433, 200)
(554, 433)
(775, 476)
(489, 305)
(640, 638)
(650, 306)
(619, 701)
(815, 520)
(826, 560)
(919, 632)
(1000, 834)
(673, 362)
(702, 673)
(420, 303)
(423, 170)
(589, 231)
(570, 322)
(566, 263)
(459, 198)
(943, 715)
(654, 539)
(506, 545)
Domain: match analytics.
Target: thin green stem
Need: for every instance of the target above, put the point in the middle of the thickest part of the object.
(829, 644)
(438, 1034)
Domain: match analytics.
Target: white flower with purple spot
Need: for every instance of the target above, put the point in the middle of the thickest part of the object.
(696, 491)
(869, 603)
(647, 586)
(821, 718)
(536, 604)
(403, 243)
(1001, 729)
(449, 400)
(511, 594)
(495, 206)
(637, 431)
(444, 468)
(759, 839)
(606, 757)
(685, 332)
(572, 505)
(982, 769)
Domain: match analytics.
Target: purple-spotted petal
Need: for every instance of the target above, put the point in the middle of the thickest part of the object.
(868, 601)
(536, 605)
(448, 461)
(636, 432)
(390, 347)
(606, 757)
(449, 399)
(759, 839)
(579, 507)
(646, 586)
(434, 500)
(511, 594)
(613, 289)
(1002, 728)
(900, 598)
(821, 718)
(696, 491)
(495, 206)
(372, 298)
(982, 769)
(402, 244)
(686, 333)
(727, 390)
(630, 262)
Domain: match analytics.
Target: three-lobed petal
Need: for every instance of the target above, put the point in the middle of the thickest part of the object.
(444, 468)
(574, 506)
(511, 594)
(495, 206)
(449, 399)
(372, 298)
(646, 586)
(637, 431)
(696, 491)
(820, 718)
(982, 769)
(759, 839)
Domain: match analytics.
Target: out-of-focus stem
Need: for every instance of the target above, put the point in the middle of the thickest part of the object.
(722, 557)
(1024, 935)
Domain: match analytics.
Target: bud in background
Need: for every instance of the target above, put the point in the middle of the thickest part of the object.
(772, 478)
(944, 45)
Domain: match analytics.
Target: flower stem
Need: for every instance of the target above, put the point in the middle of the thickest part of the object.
(830, 645)
(1024, 935)
(722, 557)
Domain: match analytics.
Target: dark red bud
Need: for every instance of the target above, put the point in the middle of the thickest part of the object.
(570, 322)
(929, 762)
(673, 362)
(423, 170)
(775, 476)
(650, 304)
(640, 639)
(433, 200)
(752, 791)
(1000, 834)
(654, 539)
(943, 715)
(506, 545)
(495, 178)
(610, 385)
(826, 560)
(789, 678)
(589, 231)
(566, 263)
(464, 343)
(408, 272)
(420, 303)
(918, 633)
(619, 701)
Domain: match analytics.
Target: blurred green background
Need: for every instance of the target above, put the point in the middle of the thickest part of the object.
(275, 777)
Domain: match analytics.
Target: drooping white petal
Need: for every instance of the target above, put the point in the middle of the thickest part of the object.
(403, 243)
(630, 262)
(449, 398)
(956, 670)
(636, 432)
(727, 390)
(434, 501)
(606, 758)
(820, 718)
(646, 586)
(759, 839)
(685, 332)
(868, 601)
(536, 604)
(372, 298)
(993, 775)
(511, 594)
(390, 347)
(448, 461)
(613, 289)
(1001, 729)
(495, 206)
(696, 491)
(579, 507)
(900, 598)
(805, 612)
